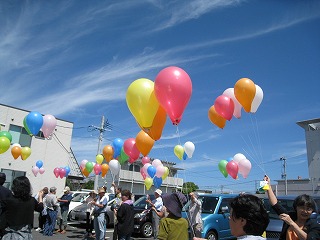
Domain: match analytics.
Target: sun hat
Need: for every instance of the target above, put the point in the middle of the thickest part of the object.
(66, 189)
(158, 191)
(102, 190)
(174, 202)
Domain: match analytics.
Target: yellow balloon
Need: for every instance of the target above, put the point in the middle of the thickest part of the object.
(148, 182)
(25, 153)
(166, 173)
(178, 151)
(142, 101)
(99, 158)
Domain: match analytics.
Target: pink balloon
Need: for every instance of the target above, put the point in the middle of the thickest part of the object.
(244, 167)
(145, 168)
(97, 169)
(49, 124)
(145, 160)
(224, 106)
(160, 171)
(35, 170)
(143, 174)
(83, 164)
(173, 89)
(56, 172)
(41, 170)
(237, 106)
(232, 169)
(131, 160)
(131, 149)
(62, 172)
(156, 163)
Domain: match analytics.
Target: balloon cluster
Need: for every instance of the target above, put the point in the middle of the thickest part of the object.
(245, 94)
(61, 171)
(38, 168)
(150, 102)
(239, 164)
(18, 151)
(182, 152)
(34, 121)
(153, 173)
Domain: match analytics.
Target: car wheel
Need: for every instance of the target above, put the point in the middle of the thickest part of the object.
(146, 230)
(211, 236)
(107, 220)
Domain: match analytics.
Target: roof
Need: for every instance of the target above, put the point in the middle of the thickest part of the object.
(314, 124)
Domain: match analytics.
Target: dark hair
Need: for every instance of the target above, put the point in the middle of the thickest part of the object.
(21, 188)
(126, 193)
(252, 209)
(304, 200)
(119, 189)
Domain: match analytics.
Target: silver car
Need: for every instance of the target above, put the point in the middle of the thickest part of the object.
(78, 214)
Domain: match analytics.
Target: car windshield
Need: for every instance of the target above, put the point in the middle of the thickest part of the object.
(286, 203)
(80, 197)
(141, 202)
(208, 204)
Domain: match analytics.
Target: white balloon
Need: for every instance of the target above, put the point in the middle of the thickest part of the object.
(237, 106)
(16, 144)
(189, 148)
(244, 167)
(156, 163)
(257, 99)
(238, 157)
(114, 166)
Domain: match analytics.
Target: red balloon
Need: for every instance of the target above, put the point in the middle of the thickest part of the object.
(173, 89)
(232, 169)
(56, 172)
(130, 148)
(224, 106)
(62, 172)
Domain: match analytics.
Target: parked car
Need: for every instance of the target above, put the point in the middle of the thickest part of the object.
(274, 228)
(143, 217)
(215, 215)
(77, 199)
(78, 214)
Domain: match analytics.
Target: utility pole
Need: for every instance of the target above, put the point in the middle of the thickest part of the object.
(284, 174)
(103, 127)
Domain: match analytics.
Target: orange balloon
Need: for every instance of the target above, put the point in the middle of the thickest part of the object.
(144, 143)
(85, 172)
(108, 153)
(104, 169)
(155, 131)
(245, 91)
(215, 118)
(16, 152)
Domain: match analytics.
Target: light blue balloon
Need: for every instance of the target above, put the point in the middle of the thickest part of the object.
(184, 156)
(117, 145)
(34, 121)
(151, 171)
(157, 182)
(39, 164)
(67, 168)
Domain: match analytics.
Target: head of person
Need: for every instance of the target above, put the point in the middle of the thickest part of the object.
(174, 203)
(93, 193)
(157, 193)
(304, 205)
(53, 190)
(2, 178)
(66, 190)
(101, 192)
(125, 195)
(45, 190)
(194, 195)
(119, 189)
(21, 188)
(248, 216)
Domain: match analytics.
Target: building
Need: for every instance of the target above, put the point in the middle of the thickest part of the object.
(54, 151)
(310, 185)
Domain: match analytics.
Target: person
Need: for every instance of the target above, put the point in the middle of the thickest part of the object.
(19, 210)
(173, 227)
(99, 220)
(296, 224)
(194, 215)
(52, 207)
(89, 212)
(42, 214)
(64, 208)
(116, 205)
(125, 216)
(4, 194)
(248, 218)
(156, 206)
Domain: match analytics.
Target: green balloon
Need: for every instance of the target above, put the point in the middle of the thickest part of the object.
(89, 166)
(26, 126)
(6, 134)
(4, 144)
(222, 167)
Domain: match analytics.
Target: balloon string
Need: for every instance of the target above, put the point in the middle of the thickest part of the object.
(178, 134)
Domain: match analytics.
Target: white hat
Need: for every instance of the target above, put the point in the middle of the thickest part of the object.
(158, 191)
(66, 189)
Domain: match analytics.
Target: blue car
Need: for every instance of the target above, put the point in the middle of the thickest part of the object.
(215, 215)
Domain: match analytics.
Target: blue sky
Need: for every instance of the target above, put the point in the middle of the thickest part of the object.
(76, 59)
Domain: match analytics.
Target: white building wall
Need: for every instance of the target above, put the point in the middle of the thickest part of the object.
(49, 151)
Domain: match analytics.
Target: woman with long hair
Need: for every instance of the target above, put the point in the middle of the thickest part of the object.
(19, 210)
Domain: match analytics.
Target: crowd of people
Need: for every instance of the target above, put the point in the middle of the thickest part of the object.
(248, 216)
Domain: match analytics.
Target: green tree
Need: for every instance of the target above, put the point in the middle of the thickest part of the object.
(189, 187)
(88, 185)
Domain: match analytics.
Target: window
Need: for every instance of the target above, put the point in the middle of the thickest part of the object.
(134, 168)
(21, 136)
(10, 175)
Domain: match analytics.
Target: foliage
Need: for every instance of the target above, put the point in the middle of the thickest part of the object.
(189, 187)
(88, 185)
